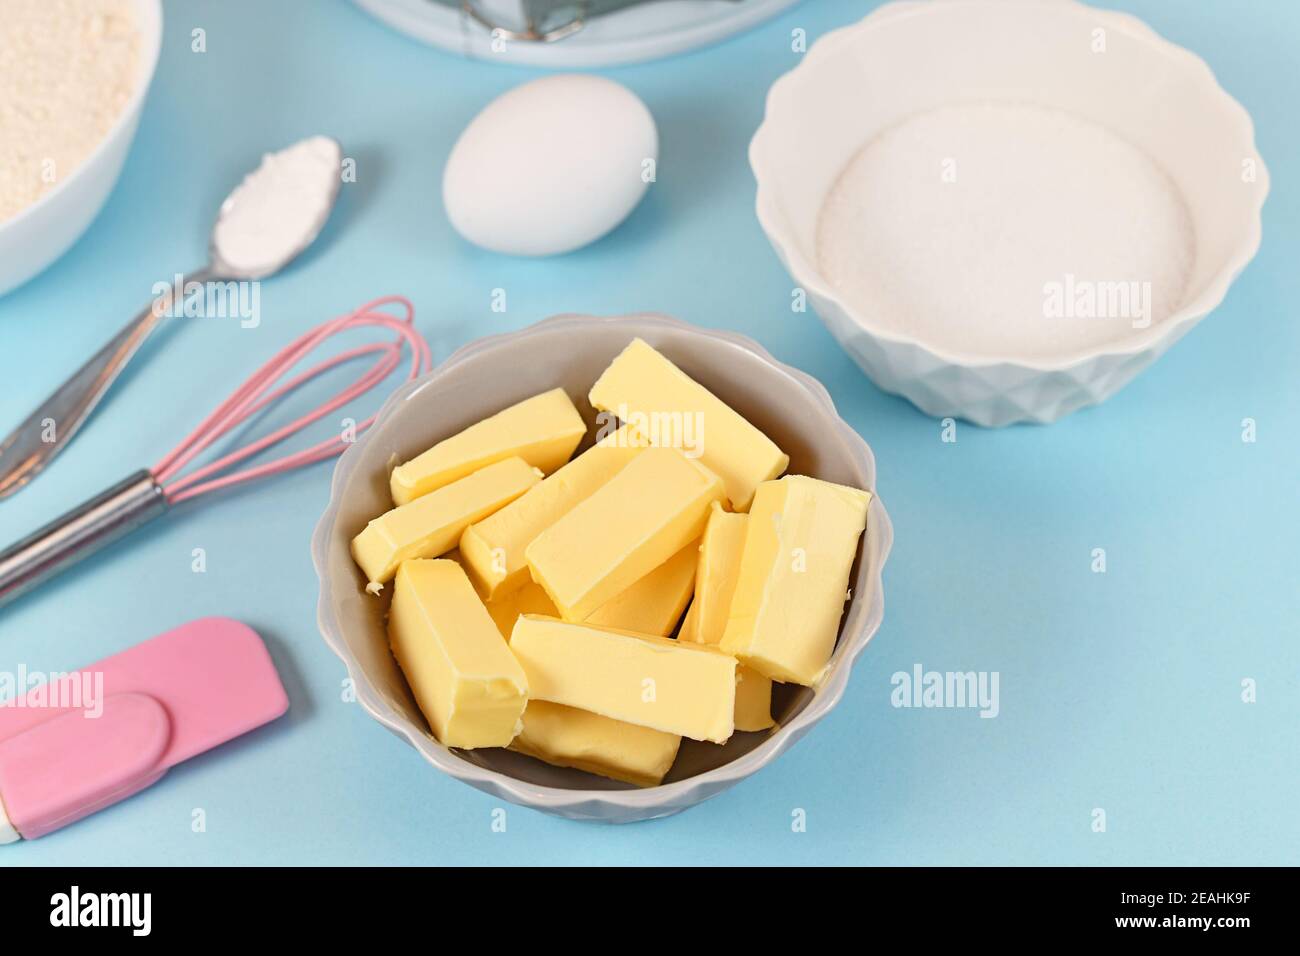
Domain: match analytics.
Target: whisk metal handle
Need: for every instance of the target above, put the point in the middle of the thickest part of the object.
(79, 533)
(31, 446)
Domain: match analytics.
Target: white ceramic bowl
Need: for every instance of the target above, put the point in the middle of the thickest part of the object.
(911, 57)
(43, 231)
(572, 351)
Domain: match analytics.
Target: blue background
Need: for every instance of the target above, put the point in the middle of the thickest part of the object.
(1119, 691)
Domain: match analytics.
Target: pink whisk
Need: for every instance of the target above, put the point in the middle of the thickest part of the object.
(148, 493)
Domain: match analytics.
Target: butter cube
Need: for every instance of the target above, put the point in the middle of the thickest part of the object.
(654, 604)
(690, 630)
(719, 569)
(493, 548)
(644, 389)
(794, 574)
(469, 686)
(529, 599)
(655, 506)
(715, 585)
(568, 737)
(753, 690)
(677, 688)
(431, 525)
(753, 700)
(542, 430)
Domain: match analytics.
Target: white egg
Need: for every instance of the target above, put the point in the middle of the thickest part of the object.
(550, 166)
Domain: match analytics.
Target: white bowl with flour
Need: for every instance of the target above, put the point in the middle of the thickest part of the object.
(1006, 209)
(73, 82)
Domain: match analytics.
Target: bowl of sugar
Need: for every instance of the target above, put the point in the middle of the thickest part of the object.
(73, 81)
(1006, 209)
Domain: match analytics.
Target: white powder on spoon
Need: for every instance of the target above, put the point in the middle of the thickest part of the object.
(279, 207)
(67, 70)
(985, 229)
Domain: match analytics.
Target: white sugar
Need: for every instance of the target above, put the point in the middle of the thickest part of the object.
(1006, 230)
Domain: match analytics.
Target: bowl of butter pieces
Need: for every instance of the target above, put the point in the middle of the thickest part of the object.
(603, 567)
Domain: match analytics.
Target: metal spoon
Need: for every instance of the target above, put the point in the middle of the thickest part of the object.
(48, 429)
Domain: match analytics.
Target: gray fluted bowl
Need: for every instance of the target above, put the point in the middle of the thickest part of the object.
(571, 351)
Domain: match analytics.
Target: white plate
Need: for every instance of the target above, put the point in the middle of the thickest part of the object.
(643, 32)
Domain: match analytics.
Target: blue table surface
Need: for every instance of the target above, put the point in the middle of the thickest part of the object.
(1121, 691)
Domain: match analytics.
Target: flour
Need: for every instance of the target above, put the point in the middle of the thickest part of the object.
(279, 207)
(67, 70)
(999, 229)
